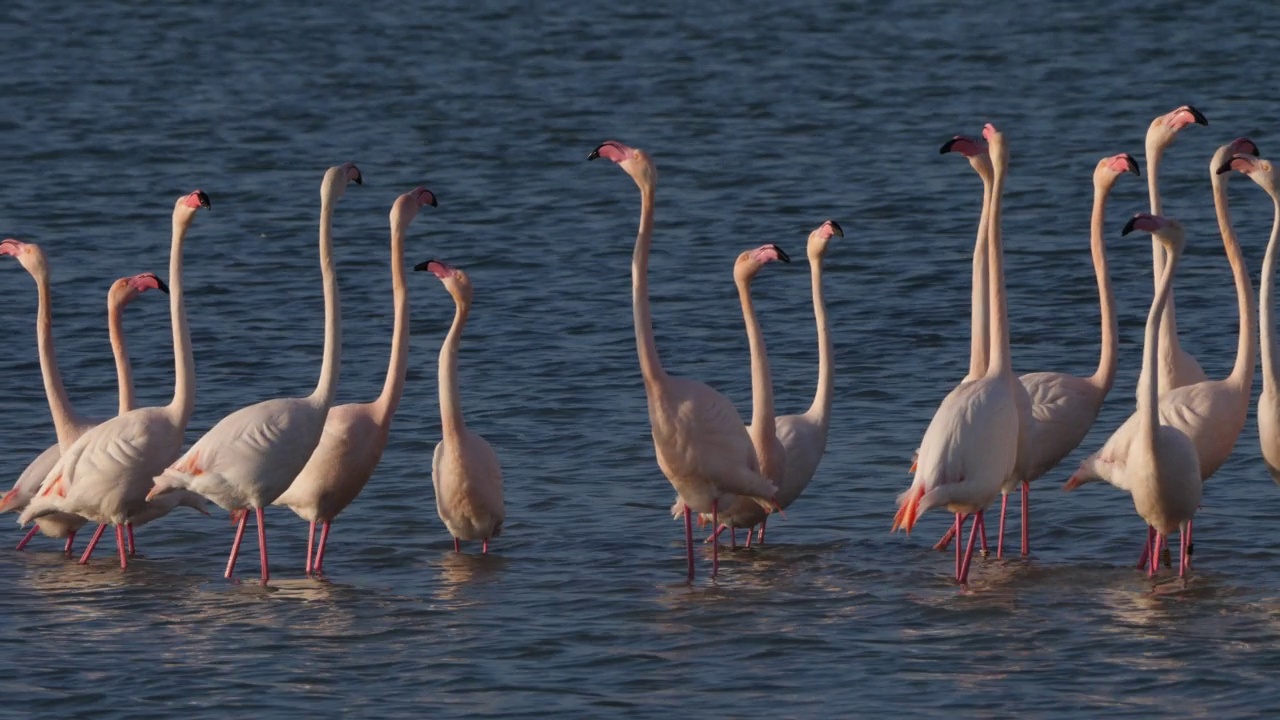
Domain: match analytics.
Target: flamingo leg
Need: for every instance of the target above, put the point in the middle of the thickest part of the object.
(946, 539)
(719, 530)
(1183, 560)
(1146, 548)
(27, 538)
(1154, 566)
(311, 540)
(71, 538)
(733, 537)
(324, 543)
(1026, 518)
(457, 546)
(93, 542)
(750, 534)
(1004, 504)
(715, 542)
(982, 529)
(484, 547)
(763, 524)
(968, 552)
(1190, 548)
(262, 545)
(133, 549)
(688, 538)
(956, 527)
(235, 544)
(120, 543)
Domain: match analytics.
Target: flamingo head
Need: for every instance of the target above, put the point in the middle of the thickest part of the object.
(184, 210)
(1166, 127)
(1167, 231)
(821, 236)
(124, 290)
(1220, 163)
(336, 179)
(455, 280)
(28, 254)
(1110, 168)
(633, 161)
(750, 262)
(1260, 171)
(407, 205)
(973, 148)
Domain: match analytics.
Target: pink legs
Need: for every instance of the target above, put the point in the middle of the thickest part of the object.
(71, 538)
(978, 526)
(1189, 549)
(457, 546)
(956, 528)
(689, 540)
(1184, 556)
(133, 549)
(484, 547)
(982, 529)
(750, 534)
(1146, 548)
(946, 539)
(262, 546)
(324, 542)
(235, 544)
(1154, 566)
(1026, 519)
(124, 557)
(1004, 504)
(311, 541)
(27, 538)
(93, 542)
(763, 523)
(715, 543)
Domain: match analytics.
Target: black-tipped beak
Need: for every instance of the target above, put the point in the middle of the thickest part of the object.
(204, 203)
(595, 153)
(835, 227)
(1128, 227)
(782, 255)
(423, 265)
(1133, 164)
(433, 198)
(1224, 167)
(161, 286)
(946, 146)
(1199, 116)
(359, 178)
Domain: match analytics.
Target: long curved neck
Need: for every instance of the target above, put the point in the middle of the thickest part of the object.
(979, 315)
(1246, 347)
(450, 404)
(124, 371)
(650, 363)
(1169, 345)
(763, 428)
(1000, 361)
(821, 407)
(393, 387)
(1105, 375)
(1149, 382)
(64, 417)
(1270, 374)
(184, 366)
(328, 383)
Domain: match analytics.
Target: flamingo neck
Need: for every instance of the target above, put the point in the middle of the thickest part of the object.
(124, 371)
(64, 417)
(327, 386)
(1105, 375)
(820, 410)
(1270, 374)
(1246, 347)
(393, 387)
(979, 315)
(451, 423)
(1169, 345)
(650, 363)
(763, 428)
(1000, 362)
(184, 368)
(1149, 382)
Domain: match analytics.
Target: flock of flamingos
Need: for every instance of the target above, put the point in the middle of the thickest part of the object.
(993, 434)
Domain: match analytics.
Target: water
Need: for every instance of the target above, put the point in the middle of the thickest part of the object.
(764, 120)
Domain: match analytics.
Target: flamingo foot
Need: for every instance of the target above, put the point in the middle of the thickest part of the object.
(93, 542)
(324, 543)
(27, 538)
(262, 545)
(243, 518)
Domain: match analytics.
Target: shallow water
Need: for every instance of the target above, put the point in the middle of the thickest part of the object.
(764, 120)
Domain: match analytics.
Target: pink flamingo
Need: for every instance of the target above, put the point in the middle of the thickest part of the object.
(1262, 172)
(1162, 466)
(122, 292)
(1212, 413)
(105, 474)
(355, 434)
(971, 444)
(249, 458)
(465, 471)
(702, 446)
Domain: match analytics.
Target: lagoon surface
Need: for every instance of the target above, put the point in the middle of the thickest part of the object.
(764, 119)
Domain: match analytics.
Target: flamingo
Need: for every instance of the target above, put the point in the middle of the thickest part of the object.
(1177, 366)
(355, 434)
(1162, 466)
(970, 447)
(1263, 173)
(465, 471)
(122, 292)
(763, 429)
(249, 458)
(1212, 413)
(104, 475)
(702, 446)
